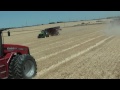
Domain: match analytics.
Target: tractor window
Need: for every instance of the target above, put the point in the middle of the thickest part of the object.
(42, 31)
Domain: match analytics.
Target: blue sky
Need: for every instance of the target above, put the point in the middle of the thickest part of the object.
(22, 18)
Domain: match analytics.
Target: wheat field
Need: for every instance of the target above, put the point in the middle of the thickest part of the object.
(79, 52)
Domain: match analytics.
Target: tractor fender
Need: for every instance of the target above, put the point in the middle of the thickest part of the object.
(9, 56)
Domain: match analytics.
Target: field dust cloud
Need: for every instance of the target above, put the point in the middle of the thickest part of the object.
(113, 28)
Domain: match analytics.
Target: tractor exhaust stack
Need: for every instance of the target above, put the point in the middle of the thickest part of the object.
(1, 46)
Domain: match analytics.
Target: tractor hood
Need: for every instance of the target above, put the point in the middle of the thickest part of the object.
(15, 48)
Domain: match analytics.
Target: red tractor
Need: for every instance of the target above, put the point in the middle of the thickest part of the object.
(16, 61)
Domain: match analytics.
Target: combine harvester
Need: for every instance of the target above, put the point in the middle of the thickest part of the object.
(53, 31)
(16, 61)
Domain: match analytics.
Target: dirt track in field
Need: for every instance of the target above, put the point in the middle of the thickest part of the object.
(78, 52)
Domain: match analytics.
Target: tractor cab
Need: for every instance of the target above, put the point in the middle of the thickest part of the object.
(43, 34)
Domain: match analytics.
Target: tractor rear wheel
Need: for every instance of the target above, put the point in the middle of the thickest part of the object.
(22, 67)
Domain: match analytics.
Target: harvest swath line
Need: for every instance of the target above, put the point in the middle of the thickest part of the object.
(57, 39)
(61, 44)
(71, 57)
(49, 40)
(53, 54)
(61, 41)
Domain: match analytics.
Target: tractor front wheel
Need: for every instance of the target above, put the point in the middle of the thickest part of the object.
(22, 67)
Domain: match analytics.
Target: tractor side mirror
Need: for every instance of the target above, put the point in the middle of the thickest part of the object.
(8, 33)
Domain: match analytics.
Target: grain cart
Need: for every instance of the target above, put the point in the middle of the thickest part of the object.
(16, 61)
(53, 31)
